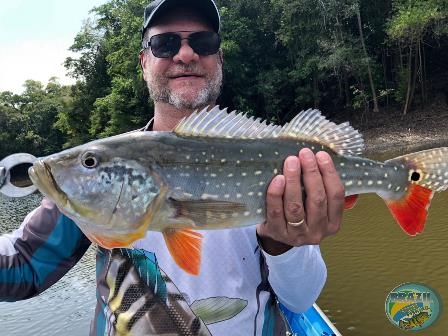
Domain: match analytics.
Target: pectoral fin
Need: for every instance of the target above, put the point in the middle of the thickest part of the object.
(208, 213)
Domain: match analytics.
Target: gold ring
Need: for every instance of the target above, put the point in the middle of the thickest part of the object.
(297, 223)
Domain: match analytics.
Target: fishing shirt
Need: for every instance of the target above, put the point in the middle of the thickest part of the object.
(48, 244)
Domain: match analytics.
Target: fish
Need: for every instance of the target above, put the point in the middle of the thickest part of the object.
(144, 301)
(212, 172)
(414, 321)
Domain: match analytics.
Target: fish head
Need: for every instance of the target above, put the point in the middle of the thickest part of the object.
(107, 194)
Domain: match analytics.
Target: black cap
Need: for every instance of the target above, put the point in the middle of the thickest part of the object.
(159, 7)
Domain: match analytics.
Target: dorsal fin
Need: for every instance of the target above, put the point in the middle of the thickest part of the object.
(220, 124)
(309, 125)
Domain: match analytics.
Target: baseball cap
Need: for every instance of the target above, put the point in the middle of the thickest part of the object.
(159, 7)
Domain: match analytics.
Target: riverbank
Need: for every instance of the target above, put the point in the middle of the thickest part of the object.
(388, 130)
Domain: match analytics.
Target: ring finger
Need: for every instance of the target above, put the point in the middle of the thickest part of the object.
(292, 199)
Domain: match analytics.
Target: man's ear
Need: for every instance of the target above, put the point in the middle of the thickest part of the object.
(142, 58)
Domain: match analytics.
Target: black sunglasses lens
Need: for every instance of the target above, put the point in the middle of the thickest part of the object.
(205, 43)
(165, 45)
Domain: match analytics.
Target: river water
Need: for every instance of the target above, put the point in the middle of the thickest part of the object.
(366, 260)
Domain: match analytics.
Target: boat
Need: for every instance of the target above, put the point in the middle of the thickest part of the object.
(313, 322)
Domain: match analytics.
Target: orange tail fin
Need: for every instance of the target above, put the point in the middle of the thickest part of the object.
(411, 210)
(185, 248)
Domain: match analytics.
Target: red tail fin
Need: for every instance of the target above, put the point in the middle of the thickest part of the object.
(411, 210)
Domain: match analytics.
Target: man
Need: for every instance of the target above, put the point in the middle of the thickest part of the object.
(182, 65)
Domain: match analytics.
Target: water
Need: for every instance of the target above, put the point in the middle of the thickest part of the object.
(65, 308)
(366, 260)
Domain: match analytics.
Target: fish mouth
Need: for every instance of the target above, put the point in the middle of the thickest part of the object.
(41, 176)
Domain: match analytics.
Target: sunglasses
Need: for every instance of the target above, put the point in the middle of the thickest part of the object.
(167, 45)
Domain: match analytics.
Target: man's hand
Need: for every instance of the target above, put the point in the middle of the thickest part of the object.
(294, 221)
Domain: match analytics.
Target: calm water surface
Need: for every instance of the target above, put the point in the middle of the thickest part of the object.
(368, 258)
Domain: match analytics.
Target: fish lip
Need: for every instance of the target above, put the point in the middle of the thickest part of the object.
(42, 177)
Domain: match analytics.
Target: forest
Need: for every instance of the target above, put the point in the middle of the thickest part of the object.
(345, 57)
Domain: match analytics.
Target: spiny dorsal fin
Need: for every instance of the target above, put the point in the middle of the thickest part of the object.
(309, 125)
(220, 124)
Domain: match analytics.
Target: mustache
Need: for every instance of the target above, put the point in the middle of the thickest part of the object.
(185, 68)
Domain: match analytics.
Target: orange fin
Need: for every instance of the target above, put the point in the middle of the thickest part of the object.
(111, 242)
(350, 201)
(185, 248)
(411, 210)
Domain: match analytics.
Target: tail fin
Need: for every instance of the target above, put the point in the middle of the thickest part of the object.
(428, 173)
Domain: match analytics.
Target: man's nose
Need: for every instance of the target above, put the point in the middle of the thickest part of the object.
(186, 54)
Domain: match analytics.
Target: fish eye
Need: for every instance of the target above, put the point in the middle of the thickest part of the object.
(89, 160)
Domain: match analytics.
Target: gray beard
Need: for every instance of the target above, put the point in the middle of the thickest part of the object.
(205, 97)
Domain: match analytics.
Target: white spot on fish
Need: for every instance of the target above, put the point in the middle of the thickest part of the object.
(275, 171)
(370, 183)
(250, 193)
(230, 175)
(246, 213)
(397, 188)
(349, 183)
(260, 155)
(187, 157)
(258, 172)
(379, 182)
(259, 211)
(261, 183)
(342, 164)
(243, 174)
(259, 194)
(238, 195)
(208, 196)
(223, 160)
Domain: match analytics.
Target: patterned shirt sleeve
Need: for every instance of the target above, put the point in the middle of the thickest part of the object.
(35, 256)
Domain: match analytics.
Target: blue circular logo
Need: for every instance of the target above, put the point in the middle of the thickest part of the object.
(413, 306)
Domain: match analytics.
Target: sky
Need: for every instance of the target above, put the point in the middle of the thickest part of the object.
(34, 39)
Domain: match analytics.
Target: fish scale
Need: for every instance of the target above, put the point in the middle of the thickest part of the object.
(212, 171)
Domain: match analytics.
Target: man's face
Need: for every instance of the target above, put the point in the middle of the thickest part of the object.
(185, 80)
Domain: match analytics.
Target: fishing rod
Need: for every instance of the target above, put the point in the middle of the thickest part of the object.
(14, 179)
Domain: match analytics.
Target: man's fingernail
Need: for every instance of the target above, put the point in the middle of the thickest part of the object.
(278, 181)
(292, 163)
(307, 154)
(323, 158)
